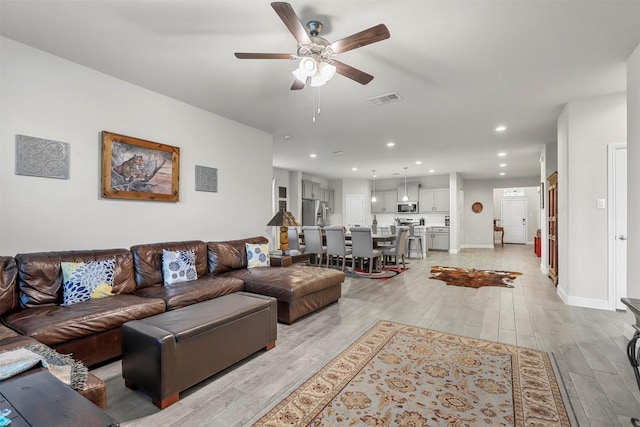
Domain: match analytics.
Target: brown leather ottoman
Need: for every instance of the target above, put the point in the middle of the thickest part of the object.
(165, 354)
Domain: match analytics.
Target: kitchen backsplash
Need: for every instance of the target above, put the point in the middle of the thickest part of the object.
(429, 219)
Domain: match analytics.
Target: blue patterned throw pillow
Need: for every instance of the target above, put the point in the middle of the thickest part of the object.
(86, 280)
(178, 266)
(257, 255)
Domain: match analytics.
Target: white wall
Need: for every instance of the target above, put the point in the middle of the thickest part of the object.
(48, 97)
(585, 127)
(633, 180)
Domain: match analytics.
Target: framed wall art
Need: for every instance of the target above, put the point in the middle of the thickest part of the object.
(137, 169)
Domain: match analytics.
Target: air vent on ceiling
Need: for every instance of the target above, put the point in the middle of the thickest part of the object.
(384, 99)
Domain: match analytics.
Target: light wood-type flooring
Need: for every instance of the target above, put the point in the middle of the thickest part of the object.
(588, 345)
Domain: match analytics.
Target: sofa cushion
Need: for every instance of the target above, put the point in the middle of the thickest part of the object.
(180, 295)
(148, 260)
(230, 255)
(8, 286)
(287, 283)
(53, 324)
(178, 266)
(40, 276)
(87, 280)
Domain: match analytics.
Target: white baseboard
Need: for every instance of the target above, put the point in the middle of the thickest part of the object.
(544, 269)
(453, 251)
(582, 302)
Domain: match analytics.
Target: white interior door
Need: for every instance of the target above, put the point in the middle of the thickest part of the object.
(354, 212)
(618, 216)
(514, 220)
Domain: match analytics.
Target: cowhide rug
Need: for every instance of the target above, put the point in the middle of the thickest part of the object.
(472, 278)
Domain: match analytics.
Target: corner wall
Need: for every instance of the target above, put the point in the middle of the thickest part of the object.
(585, 128)
(49, 97)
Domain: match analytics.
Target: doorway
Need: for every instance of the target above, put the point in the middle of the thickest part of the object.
(514, 220)
(354, 212)
(617, 224)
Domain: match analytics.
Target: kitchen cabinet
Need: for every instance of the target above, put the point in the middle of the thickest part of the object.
(310, 190)
(438, 238)
(386, 202)
(434, 200)
(328, 196)
(412, 192)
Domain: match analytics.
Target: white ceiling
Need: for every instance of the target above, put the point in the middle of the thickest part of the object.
(461, 67)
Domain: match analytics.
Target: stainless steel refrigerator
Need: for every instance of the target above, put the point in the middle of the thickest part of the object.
(310, 211)
(315, 212)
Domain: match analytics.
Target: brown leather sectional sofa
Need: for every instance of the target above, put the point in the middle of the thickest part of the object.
(91, 331)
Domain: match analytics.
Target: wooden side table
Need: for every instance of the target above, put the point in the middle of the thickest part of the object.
(292, 257)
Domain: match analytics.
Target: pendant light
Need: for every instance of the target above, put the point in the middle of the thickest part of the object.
(373, 194)
(406, 196)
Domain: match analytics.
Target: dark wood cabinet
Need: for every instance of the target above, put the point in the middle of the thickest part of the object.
(552, 210)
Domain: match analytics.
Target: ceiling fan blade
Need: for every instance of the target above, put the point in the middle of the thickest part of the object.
(297, 85)
(240, 55)
(352, 73)
(363, 38)
(291, 20)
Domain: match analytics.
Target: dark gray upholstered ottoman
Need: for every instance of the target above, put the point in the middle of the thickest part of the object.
(165, 354)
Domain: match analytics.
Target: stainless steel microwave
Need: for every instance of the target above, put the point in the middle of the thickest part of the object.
(407, 207)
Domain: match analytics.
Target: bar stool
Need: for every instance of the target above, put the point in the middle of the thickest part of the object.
(413, 237)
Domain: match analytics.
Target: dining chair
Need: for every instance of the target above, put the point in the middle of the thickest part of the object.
(313, 242)
(336, 245)
(398, 250)
(362, 246)
(413, 237)
(293, 240)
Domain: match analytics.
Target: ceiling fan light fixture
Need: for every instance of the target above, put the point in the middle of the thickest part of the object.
(308, 66)
(325, 72)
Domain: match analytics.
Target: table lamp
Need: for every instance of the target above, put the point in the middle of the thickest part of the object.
(284, 220)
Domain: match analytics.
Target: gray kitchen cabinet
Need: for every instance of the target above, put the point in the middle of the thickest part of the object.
(310, 190)
(386, 202)
(438, 238)
(328, 196)
(434, 200)
(412, 192)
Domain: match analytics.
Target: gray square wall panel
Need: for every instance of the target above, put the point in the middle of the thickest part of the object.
(42, 157)
(206, 179)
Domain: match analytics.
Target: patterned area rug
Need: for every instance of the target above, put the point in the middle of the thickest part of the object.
(402, 375)
(472, 278)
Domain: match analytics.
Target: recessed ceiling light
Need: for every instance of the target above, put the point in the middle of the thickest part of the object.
(286, 137)
(419, 162)
(391, 144)
(503, 165)
(313, 155)
(354, 169)
(431, 171)
(502, 154)
(501, 128)
(502, 174)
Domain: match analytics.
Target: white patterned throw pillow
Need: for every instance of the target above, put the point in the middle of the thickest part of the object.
(257, 255)
(86, 280)
(178, 266)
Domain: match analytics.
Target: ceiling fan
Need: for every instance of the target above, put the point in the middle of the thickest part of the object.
(316, 54)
